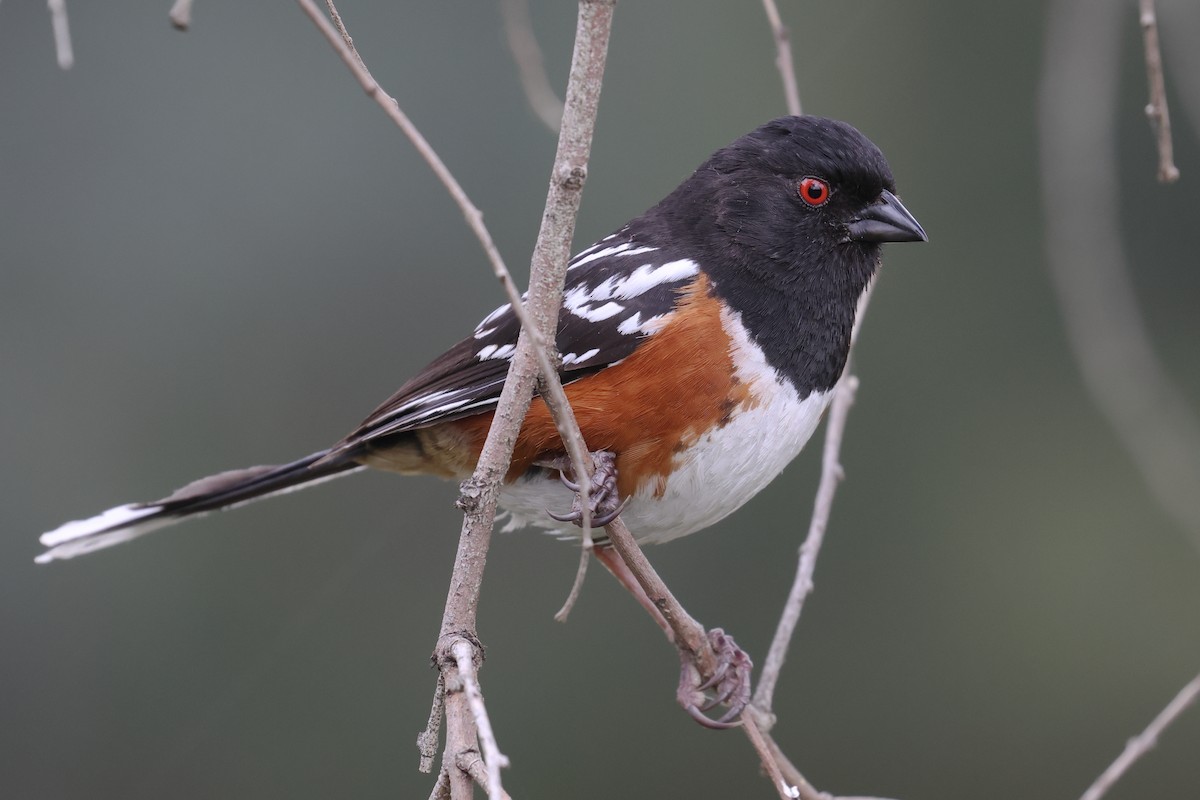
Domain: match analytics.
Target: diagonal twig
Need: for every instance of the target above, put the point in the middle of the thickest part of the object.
(552, 390)
(1145, 741)
(538, 316)
(831, 476)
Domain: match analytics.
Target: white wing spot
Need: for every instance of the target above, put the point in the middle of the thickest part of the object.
(607, 251)
(496, 351)
(482, 330)
(646, 277)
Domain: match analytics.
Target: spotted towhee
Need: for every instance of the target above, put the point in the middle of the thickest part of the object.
(700, 344)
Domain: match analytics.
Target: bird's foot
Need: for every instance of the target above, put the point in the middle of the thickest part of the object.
(603, 500)
(728, 686)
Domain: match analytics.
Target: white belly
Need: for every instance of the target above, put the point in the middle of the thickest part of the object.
(711, 479)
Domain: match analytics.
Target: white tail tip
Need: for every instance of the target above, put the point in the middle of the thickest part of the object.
(114, 526)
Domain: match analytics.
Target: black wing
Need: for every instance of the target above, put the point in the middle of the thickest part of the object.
(617, 293)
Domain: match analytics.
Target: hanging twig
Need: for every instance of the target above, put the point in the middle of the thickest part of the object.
(181, 14)
(62, 33)
(518, 30)
(1156, 109)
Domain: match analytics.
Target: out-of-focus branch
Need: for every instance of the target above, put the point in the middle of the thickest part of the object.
(1145, 741)
(783, 57)
(1156, 109)
(1184, 62)
(1105, 328)
(1120, 368)
(518, 30)
(62, 33)
(181, 14)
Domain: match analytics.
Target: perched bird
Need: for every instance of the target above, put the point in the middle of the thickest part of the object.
(700, 343)
(700, 346)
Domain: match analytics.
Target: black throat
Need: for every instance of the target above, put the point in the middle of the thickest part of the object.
(801, 318)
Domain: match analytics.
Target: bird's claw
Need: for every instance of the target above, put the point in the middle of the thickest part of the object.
(729, 683)
(598, 521)
(603, 499)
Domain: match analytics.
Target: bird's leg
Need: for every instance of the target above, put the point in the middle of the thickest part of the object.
(604, 501)
(729, 683)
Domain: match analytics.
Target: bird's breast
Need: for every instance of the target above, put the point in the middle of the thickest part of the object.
(714, 467)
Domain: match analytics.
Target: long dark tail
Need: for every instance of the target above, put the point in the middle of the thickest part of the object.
(224, 490)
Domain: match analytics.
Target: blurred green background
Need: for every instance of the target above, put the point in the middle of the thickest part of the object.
(216, 252)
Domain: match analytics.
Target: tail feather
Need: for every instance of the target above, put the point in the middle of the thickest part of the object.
(224, 490)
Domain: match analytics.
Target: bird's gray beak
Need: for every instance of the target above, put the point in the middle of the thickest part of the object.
(886, 220)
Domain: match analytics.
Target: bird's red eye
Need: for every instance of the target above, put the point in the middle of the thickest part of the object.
(814, 191)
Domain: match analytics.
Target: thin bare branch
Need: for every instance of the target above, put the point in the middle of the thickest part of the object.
(786, 790)
(553, 392)
(783, 57)
(464, 656)
(349, 40)
(831, 476)
(585, 555)
(429, 739)
(687, 633)
(1145, 741)
(62, 33)
(181, 14)
(539, 318)
(1156, 109)
(518, 30)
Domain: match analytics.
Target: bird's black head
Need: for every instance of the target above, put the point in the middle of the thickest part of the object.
(788, 222)
(799, 190)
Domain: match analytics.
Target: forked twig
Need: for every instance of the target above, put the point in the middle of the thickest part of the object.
(494, 760)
